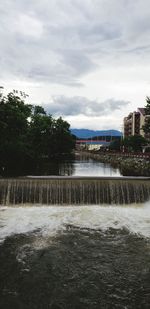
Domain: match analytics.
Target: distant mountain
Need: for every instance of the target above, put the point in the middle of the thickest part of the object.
(85, 133)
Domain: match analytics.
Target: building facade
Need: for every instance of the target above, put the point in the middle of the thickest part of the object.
(1, 92)
(134, 122)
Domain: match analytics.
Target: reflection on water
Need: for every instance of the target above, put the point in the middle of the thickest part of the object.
(70, 165)
(75, 257)
(91, 168)
(79, 165)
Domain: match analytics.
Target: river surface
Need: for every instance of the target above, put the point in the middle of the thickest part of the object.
(78, 165)
(75, 257)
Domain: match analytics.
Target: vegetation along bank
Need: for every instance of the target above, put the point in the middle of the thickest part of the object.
(29, 136)
(129, 165)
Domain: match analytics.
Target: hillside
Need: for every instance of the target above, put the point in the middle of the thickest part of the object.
(85, 133)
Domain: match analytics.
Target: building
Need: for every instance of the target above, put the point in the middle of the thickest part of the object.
(134, 122)
(1, 92)
(91, 144)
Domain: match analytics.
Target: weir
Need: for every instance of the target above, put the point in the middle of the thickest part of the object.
(59, 190)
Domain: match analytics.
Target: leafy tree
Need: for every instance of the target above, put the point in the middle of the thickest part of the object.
(146, 126)
(39, 110)
(62, 140)
(40, 133)
(14, 116)
(134, 143)
(147, 107)
(115, 145)
(28, 136)
(49, 137)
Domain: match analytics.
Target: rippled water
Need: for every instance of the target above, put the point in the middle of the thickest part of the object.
(89, 167)
(78, 165)
(75, 257)
(51, 220)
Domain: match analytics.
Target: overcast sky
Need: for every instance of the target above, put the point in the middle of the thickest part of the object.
(86, 60)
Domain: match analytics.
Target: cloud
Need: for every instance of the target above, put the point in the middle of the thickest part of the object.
(28, 26)
(61, 41)
(95, 123)
(73, 106)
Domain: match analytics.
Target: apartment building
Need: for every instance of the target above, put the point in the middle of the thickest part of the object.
(134, 122)
(1, 92)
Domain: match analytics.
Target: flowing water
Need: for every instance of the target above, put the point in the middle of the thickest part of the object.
(78, 165)
(75, 256)
(83, 165)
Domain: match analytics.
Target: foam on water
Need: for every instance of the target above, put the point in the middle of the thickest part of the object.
(51, 220)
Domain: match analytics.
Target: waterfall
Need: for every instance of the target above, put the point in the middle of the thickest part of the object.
(56, 190)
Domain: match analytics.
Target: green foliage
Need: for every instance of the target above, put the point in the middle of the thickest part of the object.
(147, 107)
(13, 128)
(146, 126)
(39, 110)
(134, 143)
(62, 140)
(115, 145)
(28, 135)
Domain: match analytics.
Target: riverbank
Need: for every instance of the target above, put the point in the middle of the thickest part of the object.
(129, 166)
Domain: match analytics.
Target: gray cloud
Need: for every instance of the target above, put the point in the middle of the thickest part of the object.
(60, 41)
(73, 106)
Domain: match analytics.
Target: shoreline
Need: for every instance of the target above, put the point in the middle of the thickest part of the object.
(128, 166)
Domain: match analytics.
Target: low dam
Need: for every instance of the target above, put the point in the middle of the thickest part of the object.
(63, 246)
(61, 190)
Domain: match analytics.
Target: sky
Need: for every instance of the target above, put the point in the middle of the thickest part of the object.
(87, 61)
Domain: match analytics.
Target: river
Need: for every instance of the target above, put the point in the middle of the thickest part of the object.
(74, 257)
(79, 165)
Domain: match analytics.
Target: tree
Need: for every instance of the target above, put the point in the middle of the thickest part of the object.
(147, 107)
(39, 110)
(146, 126)
(49, 137)
(28, 135)
(115, 145)
(39, 125)
(134, 143)
(14, 123)
(63, 141)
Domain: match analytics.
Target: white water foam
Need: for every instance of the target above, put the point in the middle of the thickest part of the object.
(54, 219)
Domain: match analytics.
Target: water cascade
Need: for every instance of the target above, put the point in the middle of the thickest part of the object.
(56, 190)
